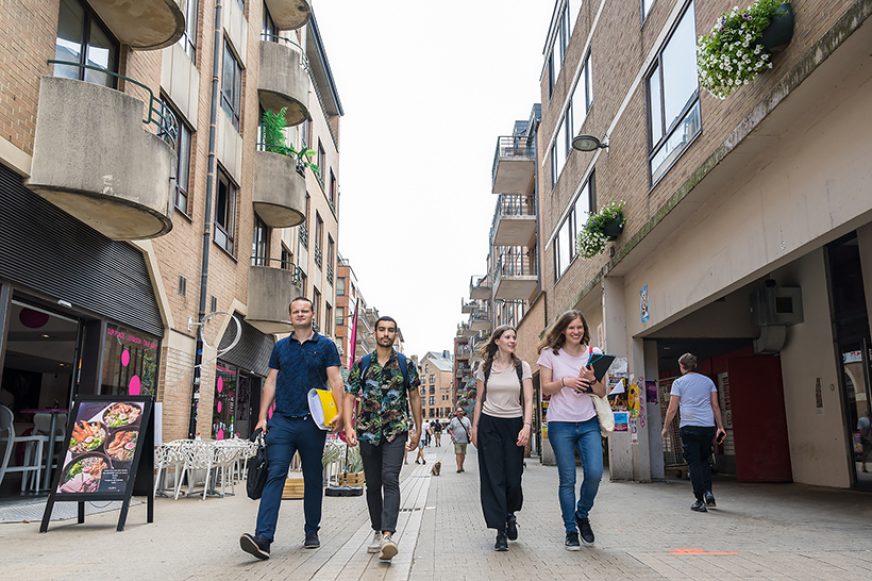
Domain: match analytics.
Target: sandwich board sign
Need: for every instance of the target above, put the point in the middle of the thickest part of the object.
(108, 455)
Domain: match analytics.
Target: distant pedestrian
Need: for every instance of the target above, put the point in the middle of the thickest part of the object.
(864, 426)
(437, 433)
(696, 397)
(501, 427)
(459, 428)
(572, 422)
(420, 459)
(386, 383)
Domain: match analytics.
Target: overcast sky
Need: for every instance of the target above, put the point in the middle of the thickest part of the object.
(427, 87)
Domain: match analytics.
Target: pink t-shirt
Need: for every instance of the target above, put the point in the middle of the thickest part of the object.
(567, 405)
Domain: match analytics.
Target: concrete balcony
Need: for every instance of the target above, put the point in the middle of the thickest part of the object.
(480, 321)
(462, 370)
(464, 330)
(479, 287)
(284, 78)
(270, 290)
(517, 275)
(514, 165)
(467, 307)
(289, 14)
(463, 353)
(279, 194)
(144, 24)
(94, 158)
(514, 221)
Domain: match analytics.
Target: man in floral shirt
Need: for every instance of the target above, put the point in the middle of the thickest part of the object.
(385, 392)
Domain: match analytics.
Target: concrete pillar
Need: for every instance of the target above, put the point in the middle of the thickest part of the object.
(615, 333)
(641, 448)
(655, 421)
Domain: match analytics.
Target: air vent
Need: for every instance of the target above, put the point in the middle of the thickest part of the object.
(213, 304)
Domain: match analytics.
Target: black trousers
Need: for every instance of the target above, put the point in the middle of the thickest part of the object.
(381, 468)
(500, 465)
(696, 441)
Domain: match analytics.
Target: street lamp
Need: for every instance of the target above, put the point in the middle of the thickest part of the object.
(585, 142)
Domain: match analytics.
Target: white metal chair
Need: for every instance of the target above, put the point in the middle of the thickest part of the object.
(32, 457)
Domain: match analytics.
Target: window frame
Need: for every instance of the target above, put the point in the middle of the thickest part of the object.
(231, 206)
(188, 40)
(573, 227)
(260, 243)
(91, 17)
(182, 186)
(232, 109)
(693, 102)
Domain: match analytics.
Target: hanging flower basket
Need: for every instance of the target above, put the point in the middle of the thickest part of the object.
(735, 51)
(600, 228)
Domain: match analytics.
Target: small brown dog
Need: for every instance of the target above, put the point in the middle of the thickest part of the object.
(437, 468)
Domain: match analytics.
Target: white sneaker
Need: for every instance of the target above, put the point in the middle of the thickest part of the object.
(388, 548)
(376, 543)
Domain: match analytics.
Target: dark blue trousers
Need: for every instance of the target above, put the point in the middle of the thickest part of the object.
(285, 436)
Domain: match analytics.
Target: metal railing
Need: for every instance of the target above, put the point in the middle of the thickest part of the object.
(297, 275)
(304, 60)
(482, 281)
(318, 256)
(513, 147)
(514, 205)
(514, 262)
(304, 235)
(167, 126)
(330, 273)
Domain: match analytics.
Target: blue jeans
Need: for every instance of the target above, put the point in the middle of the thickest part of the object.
(285, 436)
(565, 438)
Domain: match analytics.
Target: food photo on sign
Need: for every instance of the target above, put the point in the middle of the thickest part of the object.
(101, 448)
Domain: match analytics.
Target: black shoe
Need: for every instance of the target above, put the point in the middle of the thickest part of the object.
(512, 527)
(710, 500)
(572, 543)
(585, 530)
(698, 506)
(254, 545)
(502, 543)
(311, 541)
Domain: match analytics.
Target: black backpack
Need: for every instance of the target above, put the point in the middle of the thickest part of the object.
(519, 368)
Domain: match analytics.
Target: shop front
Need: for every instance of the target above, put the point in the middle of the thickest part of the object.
(77, 316)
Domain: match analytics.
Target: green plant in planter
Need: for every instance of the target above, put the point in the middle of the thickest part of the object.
(600, 227)
(273, 126)
(731, 55)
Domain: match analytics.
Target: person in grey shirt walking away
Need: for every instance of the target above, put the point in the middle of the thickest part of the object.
(696, 397)
(459, 428)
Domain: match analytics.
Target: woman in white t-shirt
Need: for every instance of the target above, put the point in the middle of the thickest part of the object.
(501, 431)
(572, 421)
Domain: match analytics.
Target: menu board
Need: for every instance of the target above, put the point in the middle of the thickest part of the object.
(107, 453)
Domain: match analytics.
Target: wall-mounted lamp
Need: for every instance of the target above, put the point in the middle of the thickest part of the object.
(587, 143)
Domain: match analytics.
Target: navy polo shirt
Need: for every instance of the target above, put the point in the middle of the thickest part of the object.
(301, 367)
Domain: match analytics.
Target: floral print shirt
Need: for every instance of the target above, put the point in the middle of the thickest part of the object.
(383, 400)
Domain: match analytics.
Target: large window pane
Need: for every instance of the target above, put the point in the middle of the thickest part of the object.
(676, 143)
(560, 143)
(70, 37)
(655, 106)
(679, 68)
(101, 53)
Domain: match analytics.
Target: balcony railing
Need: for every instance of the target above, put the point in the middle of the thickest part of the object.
(318, 256)
(517, 263)
(304, 235)
(480, 287)
(510, 150)
(330, 273)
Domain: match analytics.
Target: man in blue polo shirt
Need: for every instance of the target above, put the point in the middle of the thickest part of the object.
(298, 363)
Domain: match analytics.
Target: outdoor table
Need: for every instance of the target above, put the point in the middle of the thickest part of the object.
(51, 439)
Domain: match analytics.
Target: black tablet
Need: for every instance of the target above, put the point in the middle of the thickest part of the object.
(601, 363)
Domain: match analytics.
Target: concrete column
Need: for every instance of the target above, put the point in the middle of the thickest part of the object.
(615, 333)
(655, 421)
(641, 448)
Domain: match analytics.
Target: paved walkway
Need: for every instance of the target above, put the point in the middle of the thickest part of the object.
(643, 531)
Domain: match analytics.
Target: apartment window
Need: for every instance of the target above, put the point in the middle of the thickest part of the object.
(574, 7)
(231, 86)
(331, 191)
(322, 162)
(560, 149)
(316, 301)
(432, 378)
(183, 159)
(304, 228)
(554, 164)
(331, 250)
(307, 134)
(567, 235)
(82, 39)
(673, 97)
(287, 258)
(188, 41)
(328, 319)
(260, 244)
(304, 283)
(565, 32)
(552, 73)
(582, 97)
(340, 316)
(646, 8)
(268, 29)
(225, 212)
(319, 238)
(340, 287)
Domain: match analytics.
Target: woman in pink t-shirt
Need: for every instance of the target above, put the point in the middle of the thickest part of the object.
(572, 421)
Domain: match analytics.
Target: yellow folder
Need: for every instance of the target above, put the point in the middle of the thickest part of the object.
(323, 407)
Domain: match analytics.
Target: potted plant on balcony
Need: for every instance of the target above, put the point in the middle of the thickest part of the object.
(741, 43)
(273, 126)
(600, 227)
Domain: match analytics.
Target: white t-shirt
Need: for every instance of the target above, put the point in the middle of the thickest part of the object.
(567, 405)
(695, 406)
(504, 393)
